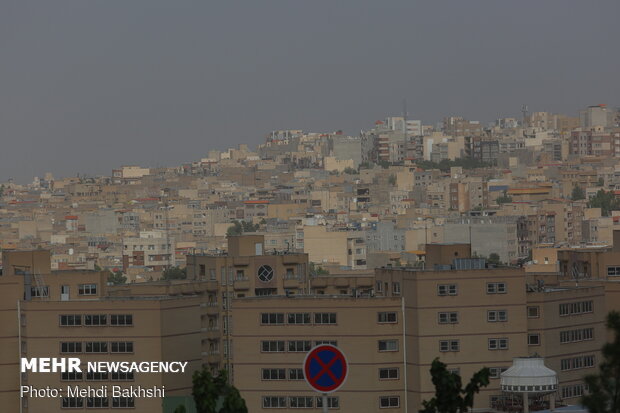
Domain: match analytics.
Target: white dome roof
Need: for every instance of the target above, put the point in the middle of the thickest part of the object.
(529, 374)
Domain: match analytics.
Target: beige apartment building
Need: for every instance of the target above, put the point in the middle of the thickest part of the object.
(72, 314)
(486, 317)
(273, 334)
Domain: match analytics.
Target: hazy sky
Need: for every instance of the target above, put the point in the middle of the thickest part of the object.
(86, 86)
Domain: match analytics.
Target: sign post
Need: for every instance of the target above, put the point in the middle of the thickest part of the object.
(325, 370)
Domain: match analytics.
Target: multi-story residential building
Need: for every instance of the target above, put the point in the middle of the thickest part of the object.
(271, 336)
(487, 317)
(152, 249)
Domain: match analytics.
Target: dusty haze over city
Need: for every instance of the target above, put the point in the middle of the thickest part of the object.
(89, 86)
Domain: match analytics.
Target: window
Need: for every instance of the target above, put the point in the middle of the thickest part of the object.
(448, 318)
(325, 318)
(580, 362)
(498, 343)
(386, 317)
(396, 288)
(120, 376)
(42, 291)
(389, 401)
(449, 345)
(575, 390)
(272, 318)
(533, 339)
(122, 347)
(87, 289)
(495, 372)
(265, 273)
(72, 402)
(331, 342)
(333, 402)
(123, 402)
(274, 401)
(379, 287)
(533, 312)
(96, 347)
(97, 402)
(96, 376)
(299, 318)
(71, 320)
(71, 376)
(299, 402)
(571, 336)
(295, 374)
(497, 316)
(121, 320)
(613, 271)
(299, 345)
(70, 347)
(272, 346)
(274, 374)
(496, 288)
(95, 319)
(580, 307)
(388, 373)
(447, 289)
(388, 345)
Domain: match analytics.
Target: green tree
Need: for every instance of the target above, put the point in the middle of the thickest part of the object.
(116, 278)
(350, 171)
(180, 409)
(234, 229)
(606, 201)
(494, 258)
(577, 193)
(600, 182)
(317, 269)
(604, 387)
(174, 273)
(504, 199)
(215, 395)
(450, 396)
(392, 180)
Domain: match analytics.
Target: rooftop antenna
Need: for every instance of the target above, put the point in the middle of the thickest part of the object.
(405, 117)
(524, 112)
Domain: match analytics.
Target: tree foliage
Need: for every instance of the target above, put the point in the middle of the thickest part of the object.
(116, 278)
(577, 193)
(504, 199)
(174, 273)
(350, 171)
(606, 200)
(604, 387)
(317, 269)
(450, 396)
(214, 394)
(239, 227)
(392, 179)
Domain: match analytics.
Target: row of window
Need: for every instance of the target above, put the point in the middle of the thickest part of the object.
(452, 289)
(44, 290)
(580, 307)
(580, 362)
(298, 318)
(96, 347)
(574, 390)
(299, 402)
(72, 320)
(101, 402)
(97, 376)
(581, 334)
(455, 345)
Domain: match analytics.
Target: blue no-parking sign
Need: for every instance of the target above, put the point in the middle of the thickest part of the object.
(325, 368)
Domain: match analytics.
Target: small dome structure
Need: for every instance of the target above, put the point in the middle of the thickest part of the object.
(529, 375)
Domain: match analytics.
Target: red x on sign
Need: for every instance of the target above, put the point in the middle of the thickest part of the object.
(325, 368)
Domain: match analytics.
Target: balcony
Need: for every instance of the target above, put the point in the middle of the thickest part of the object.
(213, 309)
(292, 282)
(240, 261)
(241, 284)
(318, 282)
